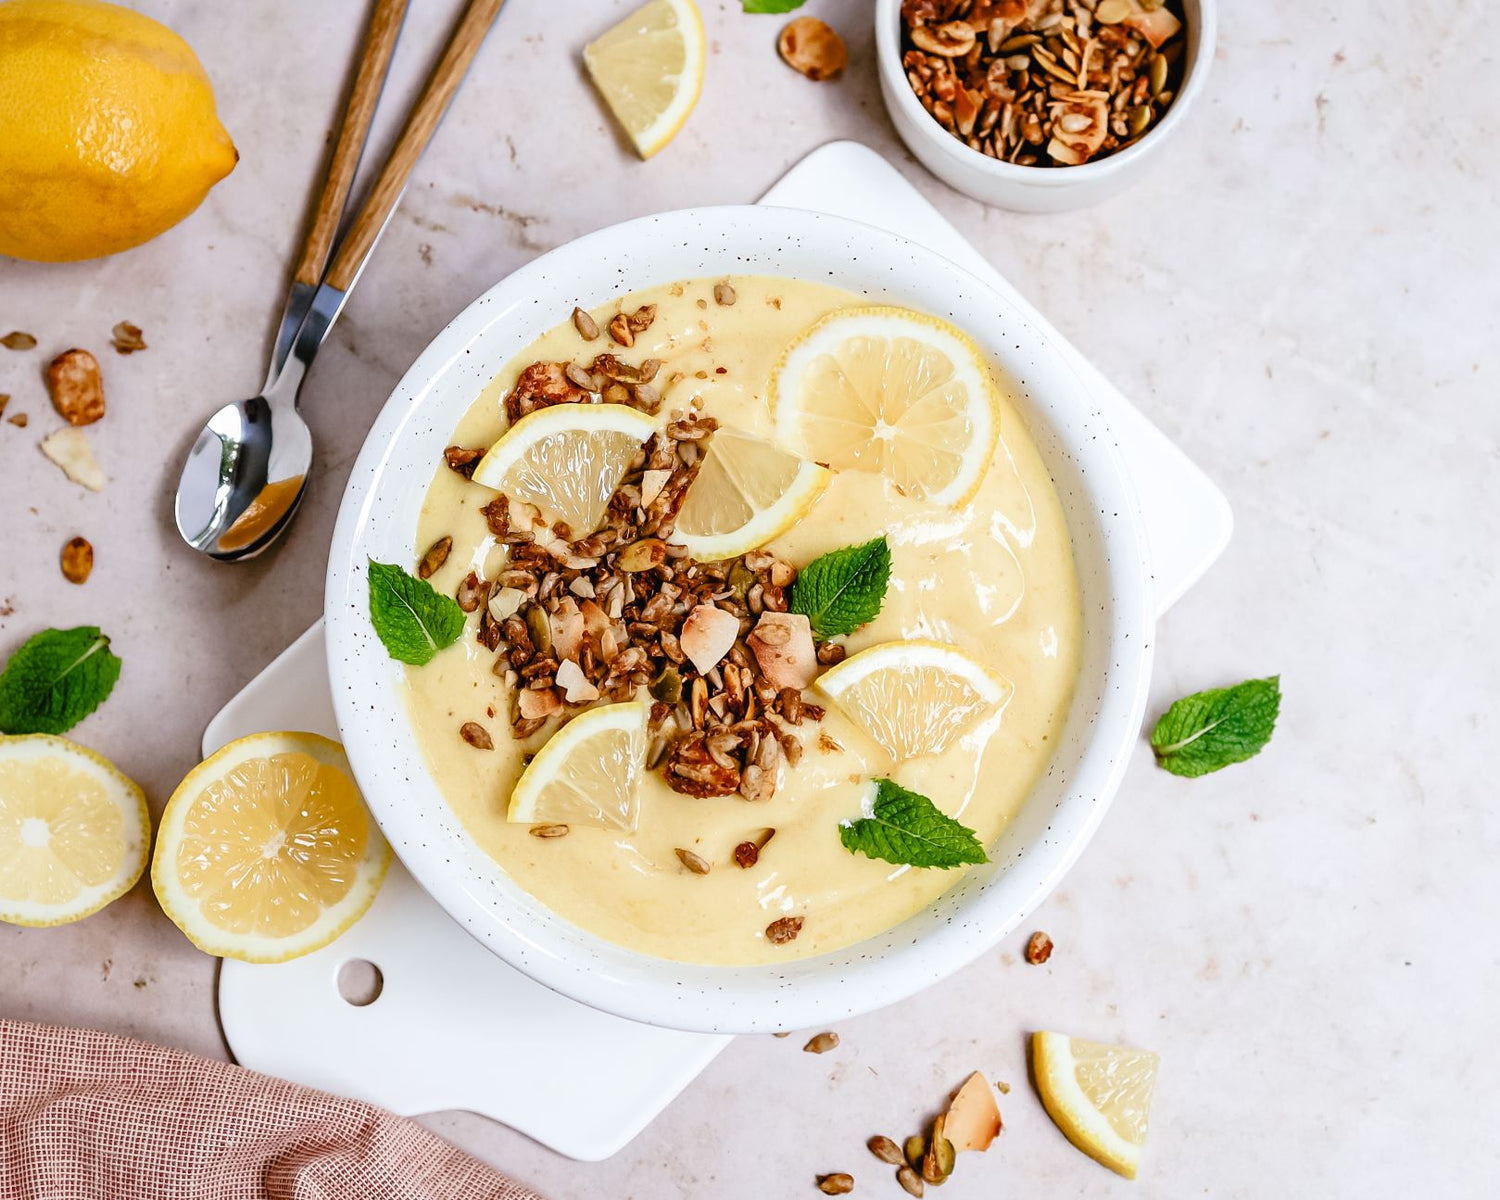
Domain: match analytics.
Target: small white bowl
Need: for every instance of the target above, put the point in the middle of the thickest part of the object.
(1033, 189)
(378, 520)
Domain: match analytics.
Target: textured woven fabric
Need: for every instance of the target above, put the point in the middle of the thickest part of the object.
(89, 1116)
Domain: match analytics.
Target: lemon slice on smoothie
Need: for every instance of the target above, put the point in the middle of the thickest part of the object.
(74, 832)
(266, 851)
(893, 392)
(649, 69)
(746, 492)
(914, 697)
(567, 460)
(1100, 1096)
(588, 773)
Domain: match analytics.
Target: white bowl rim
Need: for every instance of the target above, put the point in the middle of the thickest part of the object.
(1203, 35)
(870, 974)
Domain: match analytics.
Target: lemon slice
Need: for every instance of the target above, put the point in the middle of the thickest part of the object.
(914, 697)
(588, 773)
(265, 851)
(649, 69)
(746, 492)
(893, 392)
(1100, 1096)
(73, 831)
(566, 460)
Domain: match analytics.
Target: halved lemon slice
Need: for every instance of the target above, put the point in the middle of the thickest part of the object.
(1100, 1096)
(746, 492)
(914, 697)
(266, 851)
(566, 460)
(893, 392)
(588, 773)
(649, 69)
(74, 832)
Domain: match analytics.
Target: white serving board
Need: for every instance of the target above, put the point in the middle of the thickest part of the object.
(456, 1028)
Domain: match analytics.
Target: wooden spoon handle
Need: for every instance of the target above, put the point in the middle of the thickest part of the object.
(424, 118)
(369, 78)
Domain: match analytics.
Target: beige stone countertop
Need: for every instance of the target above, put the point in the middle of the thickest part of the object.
(1304, 294)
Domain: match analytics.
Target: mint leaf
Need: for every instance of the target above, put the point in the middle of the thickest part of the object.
(843, 589)
(911, 830)
(1209, 730)
(411, 617)
(771, 6)
(56, 679)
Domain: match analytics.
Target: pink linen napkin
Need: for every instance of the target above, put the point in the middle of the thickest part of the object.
(88, 1116)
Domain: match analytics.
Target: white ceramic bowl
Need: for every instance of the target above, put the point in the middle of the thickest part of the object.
(378, 520)
(1033, 189)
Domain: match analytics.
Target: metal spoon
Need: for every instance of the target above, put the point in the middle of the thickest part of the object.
(247, 470)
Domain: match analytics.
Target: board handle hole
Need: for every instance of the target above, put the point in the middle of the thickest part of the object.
(360, 982)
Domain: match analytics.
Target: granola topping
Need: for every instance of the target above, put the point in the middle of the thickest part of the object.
(1046, 83)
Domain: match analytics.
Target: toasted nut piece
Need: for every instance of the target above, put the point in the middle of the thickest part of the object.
(69, 449)
(642, 555)
(652, 482)
(885, 1150)
(548, 831)
(77, 387)
(472, 592)
(724, 294)
(910, 1181)
(19, 421)
(840, 1183)
(126, 338)
(620, 331)
(463, 459)
(695, 863)
(822, 1043)
(77, 560)
(506, 602)
(783, 930)
(16, 340)
(641, 319)
(537, 703)
(915, 1149)
(587, 327)
(937, 1163)
(953, 39)
(783, 647)
(1038, 948)
(476, 735)
(436, 556)
(812, 47)
(575, 684)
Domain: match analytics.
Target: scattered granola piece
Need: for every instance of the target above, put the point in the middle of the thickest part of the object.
(77, 560)
(18, 420)
(885, 1150)
(16, 340)
(127, 338)
(77, 387)
(463, 459)
(436, 556)
(724, 294)
(1038, 948)
(548, 831)
(588, 328)
(840, 1183)
(707, 635)
(695, 863)
(783, 930)
(575, 684)
(910, 1181)
(822, 1043)
(973, 1118)
(812, 47)
(4, 400)
(620, 331)
(538, 703)
(69, 448)
(476, 735)
(472, 592)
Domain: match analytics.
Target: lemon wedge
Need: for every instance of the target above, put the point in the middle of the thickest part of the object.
(588, 773)
(566, 460)
(265, 851)
(649, 69)
(746, 492)
(1100, 1096)
(74, 832)
(892, 392)
(914, 697)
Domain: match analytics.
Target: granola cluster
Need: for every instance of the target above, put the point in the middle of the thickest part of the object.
(576, 620)
(1044, 82)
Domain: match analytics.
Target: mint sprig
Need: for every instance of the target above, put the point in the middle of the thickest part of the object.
(412, 618)
(909, 829)
(771, 6)
(843, 589)
(1210, 730)
(55, 679)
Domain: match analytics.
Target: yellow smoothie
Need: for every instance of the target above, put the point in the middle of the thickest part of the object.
(995, 578)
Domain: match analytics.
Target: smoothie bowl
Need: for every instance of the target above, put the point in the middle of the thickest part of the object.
(799, 624)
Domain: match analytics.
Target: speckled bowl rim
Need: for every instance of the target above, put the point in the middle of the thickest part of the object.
(378, 519)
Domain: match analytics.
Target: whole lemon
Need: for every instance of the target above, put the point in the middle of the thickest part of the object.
(108, 130)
